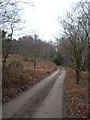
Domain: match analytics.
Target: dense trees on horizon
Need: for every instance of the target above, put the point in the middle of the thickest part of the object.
(29, 46)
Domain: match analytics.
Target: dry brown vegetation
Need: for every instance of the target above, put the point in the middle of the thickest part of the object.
(76, 95)
(19, 74)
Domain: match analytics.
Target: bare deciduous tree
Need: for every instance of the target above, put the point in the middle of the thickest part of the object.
(10, 16)
(76, 35)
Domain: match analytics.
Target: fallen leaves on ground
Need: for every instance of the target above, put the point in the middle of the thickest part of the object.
(76, 95)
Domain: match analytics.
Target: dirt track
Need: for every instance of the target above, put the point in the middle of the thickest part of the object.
(44, 100)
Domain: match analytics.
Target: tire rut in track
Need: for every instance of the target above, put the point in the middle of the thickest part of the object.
(33, 103)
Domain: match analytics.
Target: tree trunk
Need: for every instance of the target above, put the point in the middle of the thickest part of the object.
(78, 76)
(34, 65)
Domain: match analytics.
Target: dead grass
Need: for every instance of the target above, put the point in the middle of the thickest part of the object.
(20, 75)
(77, 95)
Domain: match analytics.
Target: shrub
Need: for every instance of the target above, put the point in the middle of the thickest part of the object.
(11, 73)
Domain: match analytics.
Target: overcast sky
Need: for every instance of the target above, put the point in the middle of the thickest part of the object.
(42, 18)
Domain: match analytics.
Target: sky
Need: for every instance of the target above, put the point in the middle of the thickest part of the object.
(42, 18)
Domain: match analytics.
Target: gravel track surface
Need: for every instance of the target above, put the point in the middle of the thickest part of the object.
(43, 100)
